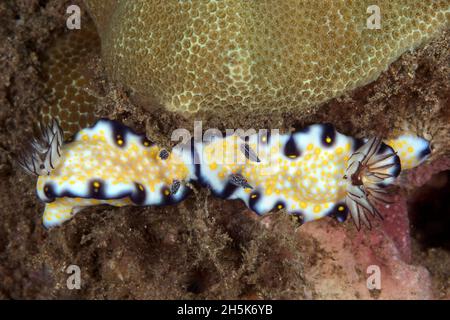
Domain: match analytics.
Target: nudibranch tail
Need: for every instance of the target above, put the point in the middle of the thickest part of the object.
(44, 151)
(370, 170)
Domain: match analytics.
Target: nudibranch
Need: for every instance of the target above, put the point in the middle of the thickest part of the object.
(107, 163)
(303, 173)
(311, 173)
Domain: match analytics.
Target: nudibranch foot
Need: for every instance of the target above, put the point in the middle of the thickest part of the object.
(63, 209)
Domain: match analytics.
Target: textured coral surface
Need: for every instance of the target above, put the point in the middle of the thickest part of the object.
(252, 57)
(66, 74)
(206, 247)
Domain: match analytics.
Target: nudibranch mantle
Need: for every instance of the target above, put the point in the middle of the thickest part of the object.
(311, 173)
(300, 172)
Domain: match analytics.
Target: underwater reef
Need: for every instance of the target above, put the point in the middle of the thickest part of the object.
(206, 247)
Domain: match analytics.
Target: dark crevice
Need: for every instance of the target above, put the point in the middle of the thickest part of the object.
(199, 281)
(429, 210)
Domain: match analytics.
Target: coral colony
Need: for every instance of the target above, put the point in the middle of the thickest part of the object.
(200, 58)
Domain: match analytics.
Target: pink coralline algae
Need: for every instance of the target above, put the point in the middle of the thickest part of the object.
(342, 271)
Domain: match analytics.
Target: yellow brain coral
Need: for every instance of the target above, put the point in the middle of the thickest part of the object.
(265, 55)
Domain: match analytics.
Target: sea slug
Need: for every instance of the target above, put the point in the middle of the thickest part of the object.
(311, 173)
